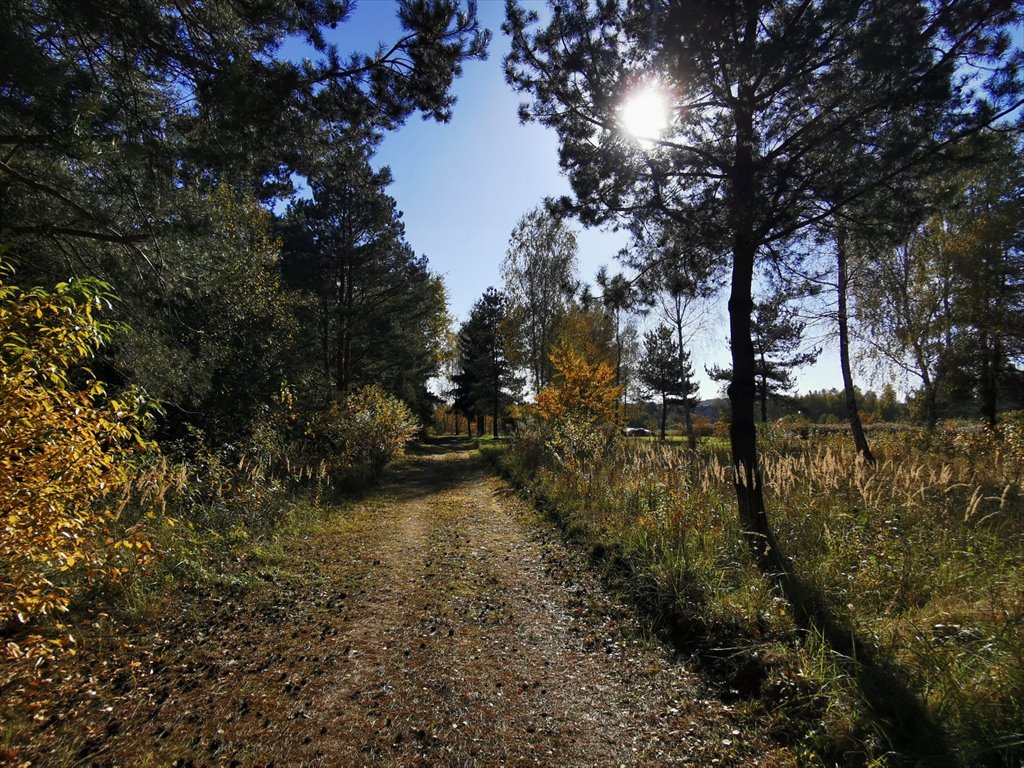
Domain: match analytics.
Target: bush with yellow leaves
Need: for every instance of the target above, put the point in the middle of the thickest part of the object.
(63, 448)
(579, 390)
(580, 409)
(369, 428)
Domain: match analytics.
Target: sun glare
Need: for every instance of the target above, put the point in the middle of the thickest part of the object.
(645, 113)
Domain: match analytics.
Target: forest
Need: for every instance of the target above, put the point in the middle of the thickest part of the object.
(217, 338)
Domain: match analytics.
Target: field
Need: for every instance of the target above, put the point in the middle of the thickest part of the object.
(919, 558)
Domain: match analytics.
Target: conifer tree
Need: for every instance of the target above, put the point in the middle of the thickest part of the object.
(777, 335)
(487, 382)
(666, 371)
(381, 310)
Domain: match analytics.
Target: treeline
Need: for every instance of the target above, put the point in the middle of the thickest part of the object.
(828, 406)
(161, 274)
(930, 298)
(824, 406)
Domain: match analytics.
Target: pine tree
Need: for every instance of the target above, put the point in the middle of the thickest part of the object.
(666, 371)
(777, 335)
(381, 310)
(487, 381)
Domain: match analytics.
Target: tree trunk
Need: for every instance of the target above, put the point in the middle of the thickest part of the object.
(929, 387)
(931, 408)
(349, 318)
(742, 432)
(664, 414)
(344, 343)
(852, 414)
(618, 369)
(996, 363)
(990, 351)
(339, 342)
(539, 350)
(618, 350)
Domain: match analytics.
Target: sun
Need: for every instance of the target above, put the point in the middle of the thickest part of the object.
(645, 113)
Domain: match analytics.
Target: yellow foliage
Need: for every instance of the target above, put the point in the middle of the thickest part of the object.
(368, 427)
(579, 390)
(589, 333)
(63, 442)
(521, 411)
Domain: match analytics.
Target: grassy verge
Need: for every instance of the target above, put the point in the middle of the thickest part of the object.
(922, 557)
(211, 545)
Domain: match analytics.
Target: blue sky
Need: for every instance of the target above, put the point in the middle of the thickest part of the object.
(463, 185)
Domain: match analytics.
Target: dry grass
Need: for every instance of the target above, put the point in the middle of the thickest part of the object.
(921, 554)
(436, 622)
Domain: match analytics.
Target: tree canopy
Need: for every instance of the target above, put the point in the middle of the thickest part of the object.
(666, 371)
(144, 143)
(539, 270)
(487, 382)
(379, 311)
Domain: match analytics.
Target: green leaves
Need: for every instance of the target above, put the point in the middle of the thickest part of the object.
(143, 142)
(486, 383)
(378, 307)
(369, 427)
(664, 368)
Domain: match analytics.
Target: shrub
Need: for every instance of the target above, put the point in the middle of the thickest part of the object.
(577, 444)
(64, 447)
(579, 391)
(374, 427)
(721, 429)
(702, 425)
(222, 489)
(364, 431)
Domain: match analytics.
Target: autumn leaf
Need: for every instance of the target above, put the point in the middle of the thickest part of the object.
(63, 450)
(579, 389)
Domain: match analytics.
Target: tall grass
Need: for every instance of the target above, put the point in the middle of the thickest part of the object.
(922, 555)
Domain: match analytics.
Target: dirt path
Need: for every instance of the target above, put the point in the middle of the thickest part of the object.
(439, 622)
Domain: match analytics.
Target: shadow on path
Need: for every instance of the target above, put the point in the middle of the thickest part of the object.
(899, 714)
(439, 446)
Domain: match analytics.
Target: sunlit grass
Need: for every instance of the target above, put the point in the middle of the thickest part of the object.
(921, 555)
